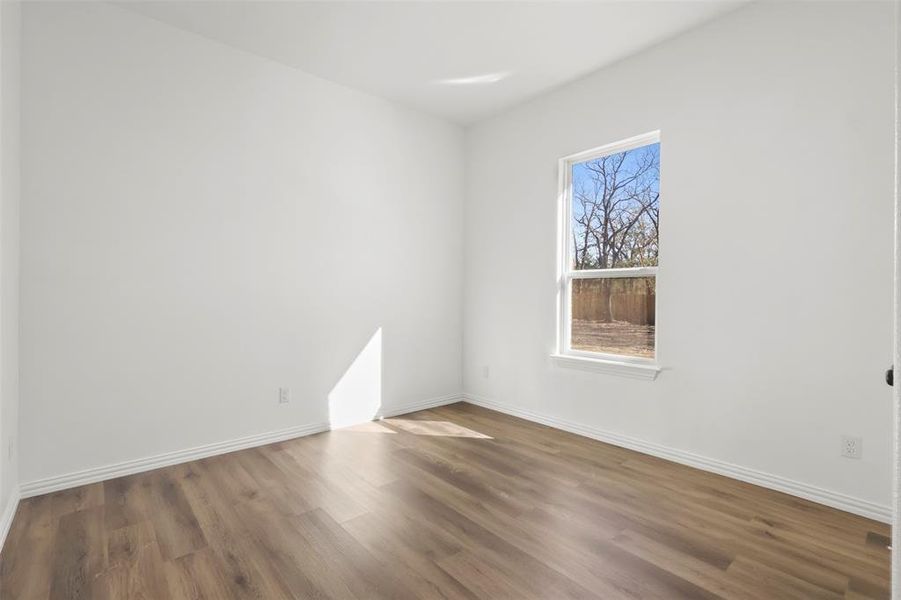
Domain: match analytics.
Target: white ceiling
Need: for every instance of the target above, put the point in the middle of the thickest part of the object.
(459, 60)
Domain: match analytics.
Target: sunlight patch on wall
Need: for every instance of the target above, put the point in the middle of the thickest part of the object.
(357, 397)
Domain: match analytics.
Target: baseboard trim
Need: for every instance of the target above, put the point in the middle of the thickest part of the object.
(420, 405)
(6, 520)
(130, 467)
(816, 494)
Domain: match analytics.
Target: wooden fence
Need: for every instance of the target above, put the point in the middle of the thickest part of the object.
(618, 299)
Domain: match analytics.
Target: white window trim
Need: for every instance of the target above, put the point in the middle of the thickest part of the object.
(613, 366)
(565, 355)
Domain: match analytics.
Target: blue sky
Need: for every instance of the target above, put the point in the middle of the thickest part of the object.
(584, 179)
(581, 175)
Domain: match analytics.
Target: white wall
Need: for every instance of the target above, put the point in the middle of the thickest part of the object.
(204, 226)
(10, 28)
(775, 283)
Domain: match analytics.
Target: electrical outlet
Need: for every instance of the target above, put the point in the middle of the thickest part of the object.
(852, 447)
(284, 395)
(486, 371)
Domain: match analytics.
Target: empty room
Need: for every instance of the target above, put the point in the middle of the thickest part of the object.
(450, 300)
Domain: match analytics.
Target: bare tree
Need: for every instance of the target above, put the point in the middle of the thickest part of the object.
(616, 210)
(616, 205)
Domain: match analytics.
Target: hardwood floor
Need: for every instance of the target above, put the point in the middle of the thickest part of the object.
(454, 502)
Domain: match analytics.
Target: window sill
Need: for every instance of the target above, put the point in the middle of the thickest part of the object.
(647, 372)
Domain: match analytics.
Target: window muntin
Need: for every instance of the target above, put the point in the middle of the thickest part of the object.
(611, 208)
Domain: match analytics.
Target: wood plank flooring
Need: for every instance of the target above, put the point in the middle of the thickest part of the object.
(457, 502)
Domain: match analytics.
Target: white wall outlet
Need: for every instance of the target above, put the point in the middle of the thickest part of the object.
(852, 447)
(486, 371)
(284, 395)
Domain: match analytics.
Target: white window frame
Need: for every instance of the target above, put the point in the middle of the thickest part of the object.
(565, 355)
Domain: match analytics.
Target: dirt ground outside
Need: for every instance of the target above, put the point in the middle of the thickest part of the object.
(617, 337)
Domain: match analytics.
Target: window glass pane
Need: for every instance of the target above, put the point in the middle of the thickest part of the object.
(615, 209)
(614, 315)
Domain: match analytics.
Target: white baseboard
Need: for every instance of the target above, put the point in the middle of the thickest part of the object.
(9, 513)
(130, 467)
(420, 405)
(819, 495)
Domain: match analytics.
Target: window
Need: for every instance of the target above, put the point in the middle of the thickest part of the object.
(610, 208)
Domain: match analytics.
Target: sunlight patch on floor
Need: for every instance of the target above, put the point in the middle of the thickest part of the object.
(369, 427)
(436, 428)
